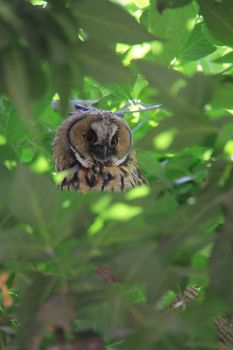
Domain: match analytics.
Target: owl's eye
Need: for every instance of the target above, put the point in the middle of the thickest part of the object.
(91, 136)
(114, 140)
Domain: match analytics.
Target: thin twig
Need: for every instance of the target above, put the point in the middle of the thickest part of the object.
(141, 110)
(139, 125)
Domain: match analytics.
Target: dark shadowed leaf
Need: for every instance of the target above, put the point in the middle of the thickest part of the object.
(223, 94)
(228, 58)
(218, 18)
(186, 98)
(221, 263)
(107, 22)
(41, 310)
(100, 62)
(33, 198)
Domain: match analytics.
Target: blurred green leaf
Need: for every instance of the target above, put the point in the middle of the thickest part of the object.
(151, 241)
(101, 63)
(223, 95)
(228, 58)
(38, 199)
(109, 23)
(218, 17)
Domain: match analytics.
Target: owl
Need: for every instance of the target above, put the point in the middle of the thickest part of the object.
(94, 150)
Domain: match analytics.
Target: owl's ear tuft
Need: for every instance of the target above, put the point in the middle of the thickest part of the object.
(81, 108)
(119, 114)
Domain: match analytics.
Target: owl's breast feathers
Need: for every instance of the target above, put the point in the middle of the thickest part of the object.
(104, 178)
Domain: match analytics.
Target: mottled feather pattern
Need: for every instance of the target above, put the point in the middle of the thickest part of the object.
(104, 178)
(93, 148)
(223, 324)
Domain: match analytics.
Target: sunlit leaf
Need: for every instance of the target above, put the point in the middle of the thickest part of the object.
(197, 46)
(172, 27)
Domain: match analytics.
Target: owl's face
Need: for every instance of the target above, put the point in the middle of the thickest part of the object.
(94, 149)
(99, 138)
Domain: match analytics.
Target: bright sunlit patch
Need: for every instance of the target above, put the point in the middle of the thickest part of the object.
(208, 108)
(39, 2)
(121, 48)
(137, 52)
(124, 2)
(29, 229)
(157, 48)
(226, 65)
(230, 111)
(66, 204)
(164, 139)
(191, 201)
(199, 68)
(167, 298)
(41, 165)
(101, 204)
(190, 23)
(142, 3)
(136, 116)
(207, 250)
(228, 148)
(121, 212)
(138, 192)
(10, 164)
(82, 35)
(207, 155)
(56, 97)
(3, 140)
(173, 62)
(140, 51)
(137, 14)
(153, 123)
(58, 177)
(27, 155)
(96, 226)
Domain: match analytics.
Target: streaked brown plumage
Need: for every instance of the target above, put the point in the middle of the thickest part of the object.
(93, 147)
(223, 324)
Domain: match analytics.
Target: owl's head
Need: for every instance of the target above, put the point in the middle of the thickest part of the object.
(99, 137)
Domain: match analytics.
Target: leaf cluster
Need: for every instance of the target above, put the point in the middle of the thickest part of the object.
(104, 261)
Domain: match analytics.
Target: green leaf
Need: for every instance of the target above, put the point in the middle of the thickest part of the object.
(33, 199)
(100, 62)
(172, 27)
(15, 75)
(228, 58)
(223, 94)
(218, 18)
(197, 46)
(148, 161)
(25, 247)
(107, 22)
(184, 96)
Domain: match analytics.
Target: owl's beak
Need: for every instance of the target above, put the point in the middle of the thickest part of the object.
(102, 151)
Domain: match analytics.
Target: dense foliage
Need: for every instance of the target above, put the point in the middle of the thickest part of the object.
(61, 251)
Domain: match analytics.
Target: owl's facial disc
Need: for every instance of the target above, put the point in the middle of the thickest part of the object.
(101, 138)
